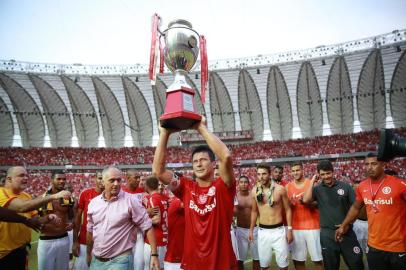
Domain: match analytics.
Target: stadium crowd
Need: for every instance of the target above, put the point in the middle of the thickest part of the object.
(334, 144)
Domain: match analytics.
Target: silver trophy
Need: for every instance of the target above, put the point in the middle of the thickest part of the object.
(181, 50)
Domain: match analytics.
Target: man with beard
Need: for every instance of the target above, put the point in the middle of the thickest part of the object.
(14, 238)
(384, 197)
(80, 221)
(242, 212)
(277, 175)
(53, 244)
(268, 202)
(334, 198)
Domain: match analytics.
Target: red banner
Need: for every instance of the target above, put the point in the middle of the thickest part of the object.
(204, 70)
(152, 57)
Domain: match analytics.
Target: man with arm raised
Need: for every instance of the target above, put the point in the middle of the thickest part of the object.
(208, 201)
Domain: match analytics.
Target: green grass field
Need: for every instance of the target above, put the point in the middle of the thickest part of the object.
(33, 265)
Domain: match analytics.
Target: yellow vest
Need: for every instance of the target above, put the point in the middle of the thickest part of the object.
(13, 235)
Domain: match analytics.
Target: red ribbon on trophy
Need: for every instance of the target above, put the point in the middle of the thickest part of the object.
(161, 58)
(152, 56)
(204, 70)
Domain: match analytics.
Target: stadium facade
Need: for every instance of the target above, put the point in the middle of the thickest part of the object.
(343, 88)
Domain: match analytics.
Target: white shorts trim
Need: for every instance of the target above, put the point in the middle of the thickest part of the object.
(306, 241)
(147, 255)
(80, 261)
(138, 251)
(171, 266)
(244, 244)
(273, 239)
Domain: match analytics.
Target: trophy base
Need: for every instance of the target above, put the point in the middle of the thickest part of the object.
(179, 120)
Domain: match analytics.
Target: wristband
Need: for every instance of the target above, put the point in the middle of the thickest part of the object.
(289, 227)
(154, 254)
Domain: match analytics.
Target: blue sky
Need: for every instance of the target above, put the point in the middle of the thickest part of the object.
(118, 32)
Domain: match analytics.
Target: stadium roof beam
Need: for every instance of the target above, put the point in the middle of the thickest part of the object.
(308, 108)
(340, 109)
(371, 93)
(59, 125)
(397, 93)
(87, 128)
(6, 125)
(279, 105)
(29, 117)
(220, 105)
(113, 121)
(249, 105)
(139, 114)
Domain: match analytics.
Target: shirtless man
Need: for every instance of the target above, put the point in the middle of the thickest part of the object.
(53, 244)
(268, 201)
(242, 211)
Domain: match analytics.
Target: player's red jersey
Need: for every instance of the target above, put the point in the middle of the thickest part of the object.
(160, 229)
(137, 190)
(208, 217)
(385, 202)
(84, 199)
(176, 231)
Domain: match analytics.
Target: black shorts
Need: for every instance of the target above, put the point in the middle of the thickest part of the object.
(380, 259)
(15, 260)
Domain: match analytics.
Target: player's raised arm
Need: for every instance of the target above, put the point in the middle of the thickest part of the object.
(220, 150)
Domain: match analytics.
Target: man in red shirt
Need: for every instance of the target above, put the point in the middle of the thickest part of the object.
(176, 234)
(384, 197)
(277, 175)
(208, 202)
(80, 222)
(133, 182)
(133, 187)
(159, 220)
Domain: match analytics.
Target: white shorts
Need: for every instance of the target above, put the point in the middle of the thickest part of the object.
(171, 266)
(306, 241)
(70, 235)
(244, 244)
(138, 251)
(234, 241)
(275, 239)
(360, 227)
(147, 255)
(53, 254)
(80, 261)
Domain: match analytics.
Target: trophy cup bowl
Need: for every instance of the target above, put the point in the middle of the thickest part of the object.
(181, 50)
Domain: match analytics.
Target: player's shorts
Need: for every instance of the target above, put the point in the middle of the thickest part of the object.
(244, 244)
(306, 241)
(234, 241)
(172, 266)
(360, 227)
(138, 251)
(270, 238)
(161, 250)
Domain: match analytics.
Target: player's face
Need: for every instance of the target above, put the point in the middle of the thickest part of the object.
(296, 172)
(277, 174)
(133, 180)
(326, 176)
(18, 179)
(99, 181)
(263, 176)
(59, 181)
(203, 167)
(142, 181)
(112, 182)
(243, 184)
(161, 188)
(373, 167)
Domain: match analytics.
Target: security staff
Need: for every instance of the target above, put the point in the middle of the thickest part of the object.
(334, 199)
